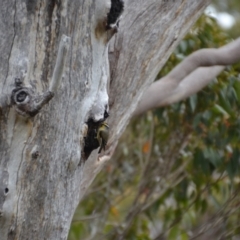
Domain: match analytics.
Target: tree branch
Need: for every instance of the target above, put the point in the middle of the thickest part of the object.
(189, 77)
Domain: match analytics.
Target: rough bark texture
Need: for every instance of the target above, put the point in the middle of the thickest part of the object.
(42, 173)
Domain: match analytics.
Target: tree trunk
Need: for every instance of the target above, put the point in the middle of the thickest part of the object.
(54, 57)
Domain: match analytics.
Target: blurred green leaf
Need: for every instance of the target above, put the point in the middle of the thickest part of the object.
(193, 102)
(237, 89)
(218, 109)
(174, 233)
(184, 236)
(224, 102)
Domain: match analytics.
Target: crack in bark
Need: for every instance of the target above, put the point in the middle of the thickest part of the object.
(11, 232)
(49, 38)
(20, 191)
(37, 28)
(14, 35)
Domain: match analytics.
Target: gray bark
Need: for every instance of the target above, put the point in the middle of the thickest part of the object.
(42, 173)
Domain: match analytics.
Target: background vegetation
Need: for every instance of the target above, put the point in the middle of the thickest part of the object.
(175, 173)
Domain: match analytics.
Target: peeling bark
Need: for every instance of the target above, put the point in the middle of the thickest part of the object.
(42, 173)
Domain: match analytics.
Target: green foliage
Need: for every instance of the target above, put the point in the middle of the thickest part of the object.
(176, 169)
(232, 7)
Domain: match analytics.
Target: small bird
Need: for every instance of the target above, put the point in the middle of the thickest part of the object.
(102, 135)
